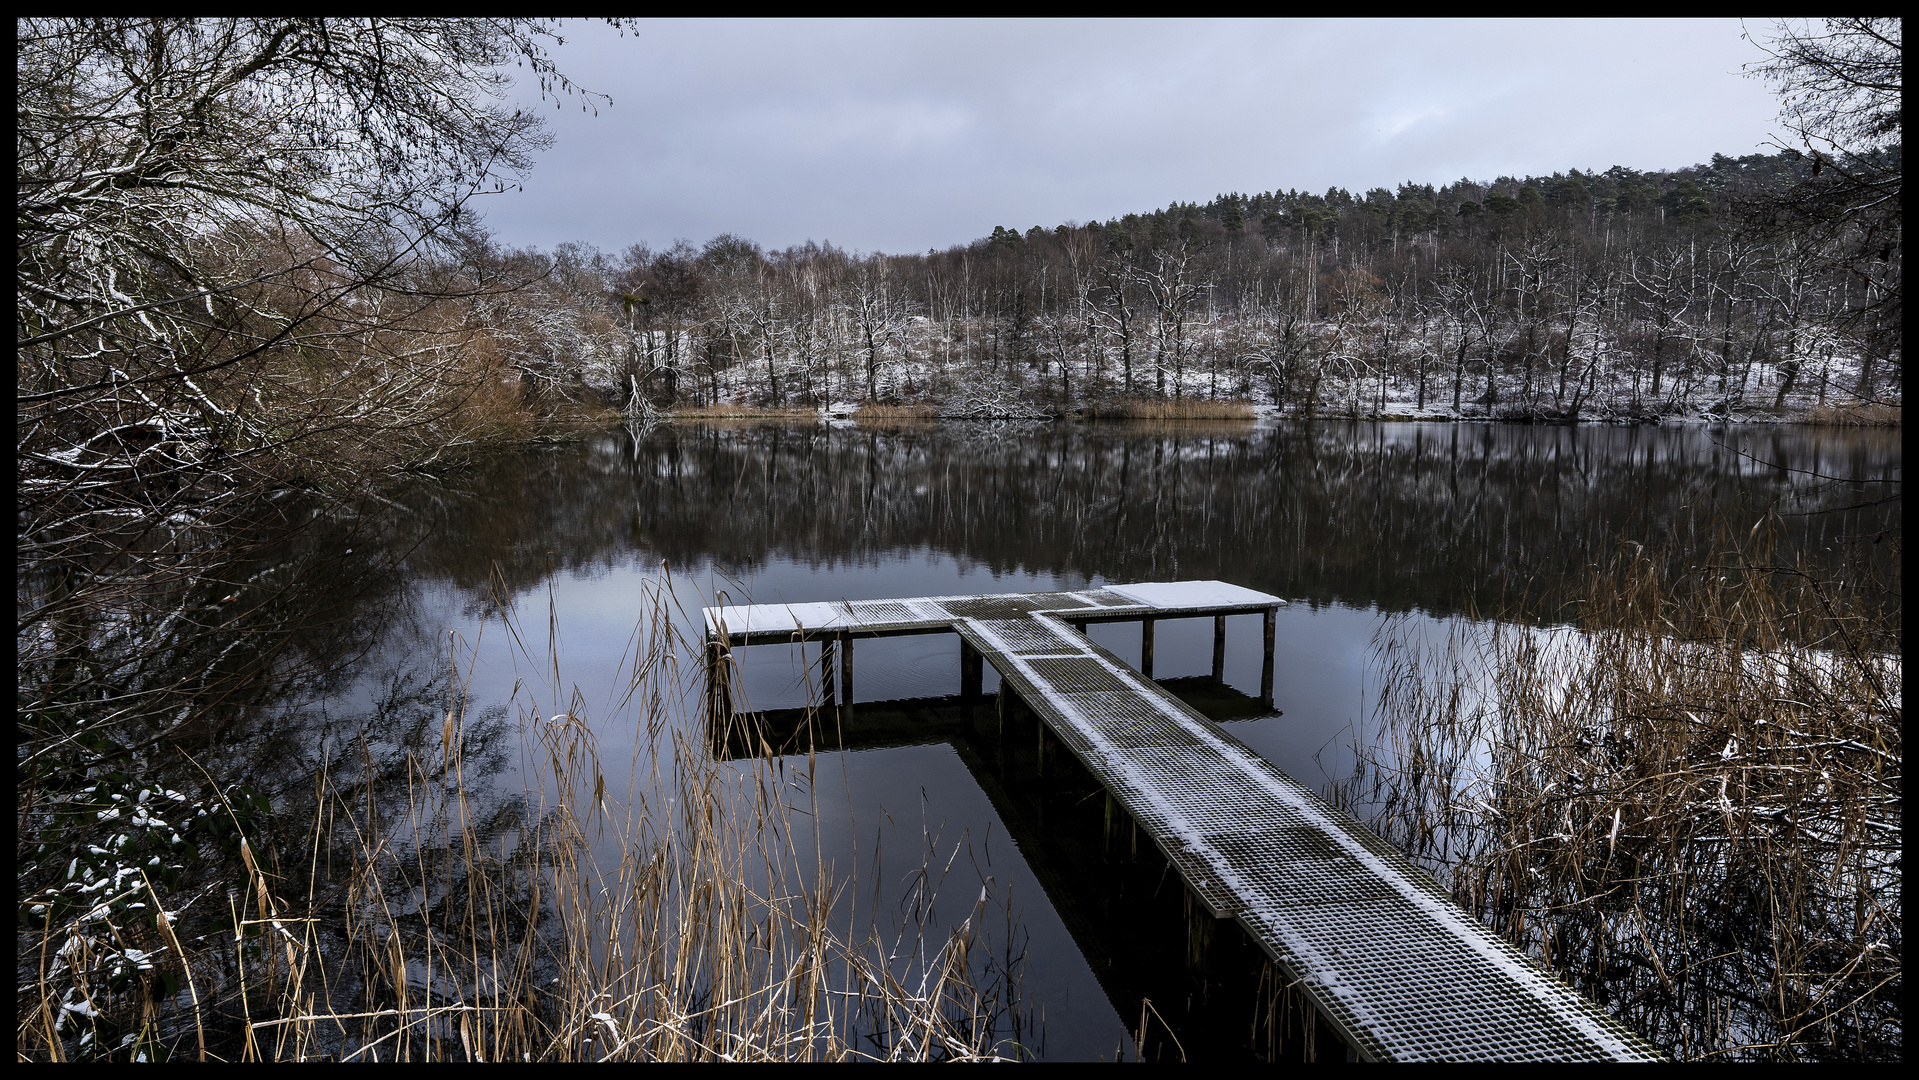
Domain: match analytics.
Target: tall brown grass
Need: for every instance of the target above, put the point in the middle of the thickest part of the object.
(1168, 409)
(884, 412)
(1687, 802)
(686, 918)
(1856, 415)
(728, 411)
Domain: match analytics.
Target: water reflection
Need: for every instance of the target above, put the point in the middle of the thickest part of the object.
(1350, 521)
(1390, 516)
(1108, 894)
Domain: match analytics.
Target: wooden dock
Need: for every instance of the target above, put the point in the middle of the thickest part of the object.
(1399, 970)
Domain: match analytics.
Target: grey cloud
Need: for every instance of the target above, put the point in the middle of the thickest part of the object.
(903, 136)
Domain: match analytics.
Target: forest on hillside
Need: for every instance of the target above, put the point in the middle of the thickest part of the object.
(1744, 285)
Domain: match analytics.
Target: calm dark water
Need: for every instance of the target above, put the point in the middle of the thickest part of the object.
(1350, 522)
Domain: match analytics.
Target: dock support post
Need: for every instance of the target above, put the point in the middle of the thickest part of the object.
(1202, 929)
(1219, 649)
(1266, 669)
(826, 670)
(719, 678)
(846, 674)
(972, 673)
(712, 676)
(1146, 647)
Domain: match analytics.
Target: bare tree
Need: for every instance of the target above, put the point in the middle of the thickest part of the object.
(1170, 288)
(1662, 281)
(1841, 85)
(1463, 296)
(223, 274)
(873, 303)
(245, 266)
(1116, 312)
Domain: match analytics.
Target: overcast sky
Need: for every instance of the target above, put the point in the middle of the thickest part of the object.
(903, 136)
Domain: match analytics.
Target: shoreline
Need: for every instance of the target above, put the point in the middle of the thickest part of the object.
(1256, 414)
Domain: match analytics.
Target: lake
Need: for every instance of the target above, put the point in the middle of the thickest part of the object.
(1350, 522)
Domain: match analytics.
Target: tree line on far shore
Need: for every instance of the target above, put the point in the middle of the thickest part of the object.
(1745, 284)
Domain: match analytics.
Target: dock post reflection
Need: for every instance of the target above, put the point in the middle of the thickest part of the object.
(1266, 662)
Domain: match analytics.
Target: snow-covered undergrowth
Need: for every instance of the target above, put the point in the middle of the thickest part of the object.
(1400, 372)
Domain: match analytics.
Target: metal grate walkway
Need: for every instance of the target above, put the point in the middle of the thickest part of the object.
(1385, 955)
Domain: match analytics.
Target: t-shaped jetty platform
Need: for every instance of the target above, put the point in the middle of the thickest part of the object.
(1385, 956)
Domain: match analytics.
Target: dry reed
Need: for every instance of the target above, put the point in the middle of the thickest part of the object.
(1168, 409)
(689, 921)
(881, 411)
(731, 411)
(1688, 803)
(1872, 414)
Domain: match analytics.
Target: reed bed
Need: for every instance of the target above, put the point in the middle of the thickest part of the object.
(1869, 414)
(881, 411)
(1169, 409)
(1687, 802)
(733, 411)
(688, 918)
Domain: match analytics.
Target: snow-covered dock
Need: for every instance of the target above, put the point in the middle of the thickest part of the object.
(1383, 953)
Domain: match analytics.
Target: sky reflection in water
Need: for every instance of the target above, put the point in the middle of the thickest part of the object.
(1348, 521)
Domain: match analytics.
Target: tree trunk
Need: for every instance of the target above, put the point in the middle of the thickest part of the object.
(1459, 369)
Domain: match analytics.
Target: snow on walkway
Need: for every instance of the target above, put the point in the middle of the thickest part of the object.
(1388, 958)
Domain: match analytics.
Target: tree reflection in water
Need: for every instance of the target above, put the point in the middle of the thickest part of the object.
(355, 684)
